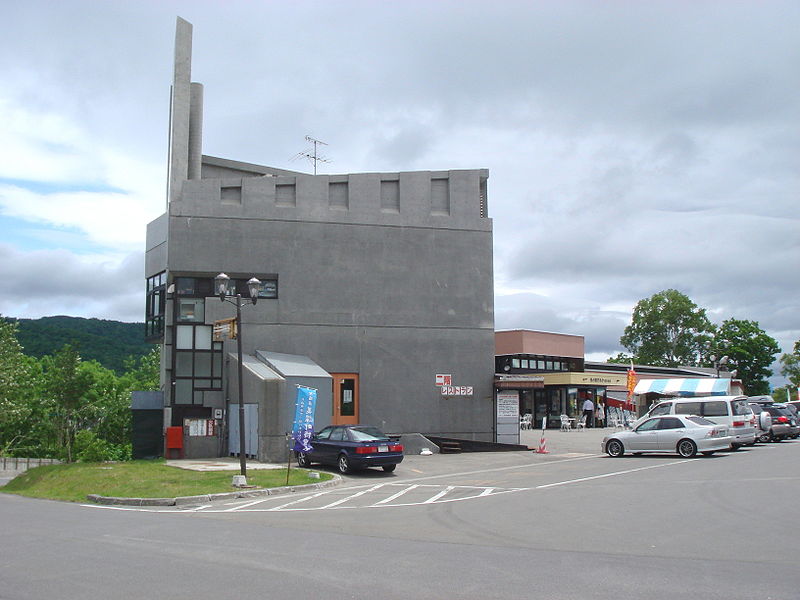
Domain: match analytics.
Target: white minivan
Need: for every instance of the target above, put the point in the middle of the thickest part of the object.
(732, 411)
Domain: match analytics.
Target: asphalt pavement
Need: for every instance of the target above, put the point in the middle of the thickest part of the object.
(554, 442)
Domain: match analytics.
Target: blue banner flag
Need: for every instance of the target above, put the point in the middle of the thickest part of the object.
(303, 427)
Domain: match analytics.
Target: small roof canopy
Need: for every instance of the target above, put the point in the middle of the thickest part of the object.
(704, 386)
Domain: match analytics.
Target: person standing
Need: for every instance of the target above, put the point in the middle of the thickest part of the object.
(588, 412)
(600, 415)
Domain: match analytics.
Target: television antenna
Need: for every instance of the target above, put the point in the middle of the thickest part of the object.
(312, 154)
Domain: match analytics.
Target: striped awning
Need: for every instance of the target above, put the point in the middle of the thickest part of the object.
(705, 386)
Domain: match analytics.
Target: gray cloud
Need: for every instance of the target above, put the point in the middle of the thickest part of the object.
(633, 147)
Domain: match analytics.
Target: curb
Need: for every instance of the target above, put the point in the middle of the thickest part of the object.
(192, 500)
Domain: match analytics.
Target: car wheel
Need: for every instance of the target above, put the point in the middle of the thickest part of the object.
(710, 452)
(389, 468)
(734, 447)
(344, 464)
(615, 448)
(687, 448)
(764, 438)
(303, 460)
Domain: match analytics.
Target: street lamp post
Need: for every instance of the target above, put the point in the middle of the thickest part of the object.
(718, 363)
(222, 282)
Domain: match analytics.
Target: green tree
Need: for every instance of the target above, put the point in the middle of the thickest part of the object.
(621, 358)
(66, 386)
(142, 374)
(667, 330)
(19, 377)
(750, 349)
(790, 365)
(107, 407)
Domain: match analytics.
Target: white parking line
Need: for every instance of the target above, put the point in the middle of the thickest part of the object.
(434, 498)
(293, 502)
(397, 495)
(343, 500)
(614, 474)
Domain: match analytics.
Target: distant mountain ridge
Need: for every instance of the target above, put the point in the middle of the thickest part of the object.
(107, 342)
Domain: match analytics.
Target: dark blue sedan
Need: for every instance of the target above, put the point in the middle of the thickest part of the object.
(351, 447)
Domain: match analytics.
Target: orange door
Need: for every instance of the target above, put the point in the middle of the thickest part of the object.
(345, 398)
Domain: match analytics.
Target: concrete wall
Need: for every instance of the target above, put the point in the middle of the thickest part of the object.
(396, 292)
(524, 341)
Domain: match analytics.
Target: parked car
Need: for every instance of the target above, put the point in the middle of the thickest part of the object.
(731, 411)
(351, 447)
(686, 435)
(795, 410)
(779, 423)
(762, 421)
(795, 403)
(791, 417)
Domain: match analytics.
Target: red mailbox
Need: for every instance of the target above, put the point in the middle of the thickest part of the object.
(175, 441)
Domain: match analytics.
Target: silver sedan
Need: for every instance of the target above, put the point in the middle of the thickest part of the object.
(685, 434)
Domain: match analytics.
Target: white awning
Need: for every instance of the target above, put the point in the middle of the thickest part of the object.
(705, 386)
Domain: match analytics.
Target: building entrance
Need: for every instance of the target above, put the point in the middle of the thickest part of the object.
(345, 398)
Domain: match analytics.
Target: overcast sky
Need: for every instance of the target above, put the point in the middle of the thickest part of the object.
(632, 146)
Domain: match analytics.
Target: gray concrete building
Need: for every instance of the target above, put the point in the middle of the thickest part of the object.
(378, 286)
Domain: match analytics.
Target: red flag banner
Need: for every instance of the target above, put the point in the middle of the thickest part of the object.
(631, 384)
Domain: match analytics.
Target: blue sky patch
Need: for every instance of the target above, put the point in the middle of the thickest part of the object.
(49, 187)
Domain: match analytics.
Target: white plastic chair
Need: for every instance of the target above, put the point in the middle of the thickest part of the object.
(565, 424)
(526, 421)
(581, 424)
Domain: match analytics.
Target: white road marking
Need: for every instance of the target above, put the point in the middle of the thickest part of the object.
(343, 500)
(397, 495)
(614, 474)
(433, 499)
(406, 488)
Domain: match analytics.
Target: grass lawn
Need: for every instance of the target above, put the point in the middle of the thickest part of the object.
(140, 479)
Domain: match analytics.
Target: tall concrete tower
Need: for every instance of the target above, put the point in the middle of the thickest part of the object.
(186, 116)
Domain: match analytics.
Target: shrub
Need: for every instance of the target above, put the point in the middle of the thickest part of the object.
(90, 448)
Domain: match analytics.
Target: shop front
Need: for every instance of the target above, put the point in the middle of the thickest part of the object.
(566, 393)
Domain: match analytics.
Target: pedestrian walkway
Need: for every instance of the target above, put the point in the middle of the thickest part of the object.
(585, 441)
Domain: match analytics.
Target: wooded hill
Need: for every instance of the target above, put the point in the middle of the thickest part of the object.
(107, 342)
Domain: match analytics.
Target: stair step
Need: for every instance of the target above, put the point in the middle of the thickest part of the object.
(449, 447)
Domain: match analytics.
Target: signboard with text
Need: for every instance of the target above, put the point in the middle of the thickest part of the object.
(456, 390)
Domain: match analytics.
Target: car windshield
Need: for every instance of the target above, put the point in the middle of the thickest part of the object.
(700, 421)
(740, 407)
(366, 434)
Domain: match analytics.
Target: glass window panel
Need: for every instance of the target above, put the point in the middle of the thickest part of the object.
(183, 339)
(268, 289)
(202, 383)
(540, 365)
(715, 408)
(198, 397)
(191, 310)
(183, 391)
(183, 364)
(202, 364)
(216, 364)
(184, 286)
(203, 337)
(515, 363)
(687, 408)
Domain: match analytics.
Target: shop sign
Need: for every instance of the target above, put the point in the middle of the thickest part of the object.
(442, 379)
(456, 390)
(508, 404)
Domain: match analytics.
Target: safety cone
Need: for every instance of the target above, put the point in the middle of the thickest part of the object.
(542, 449)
